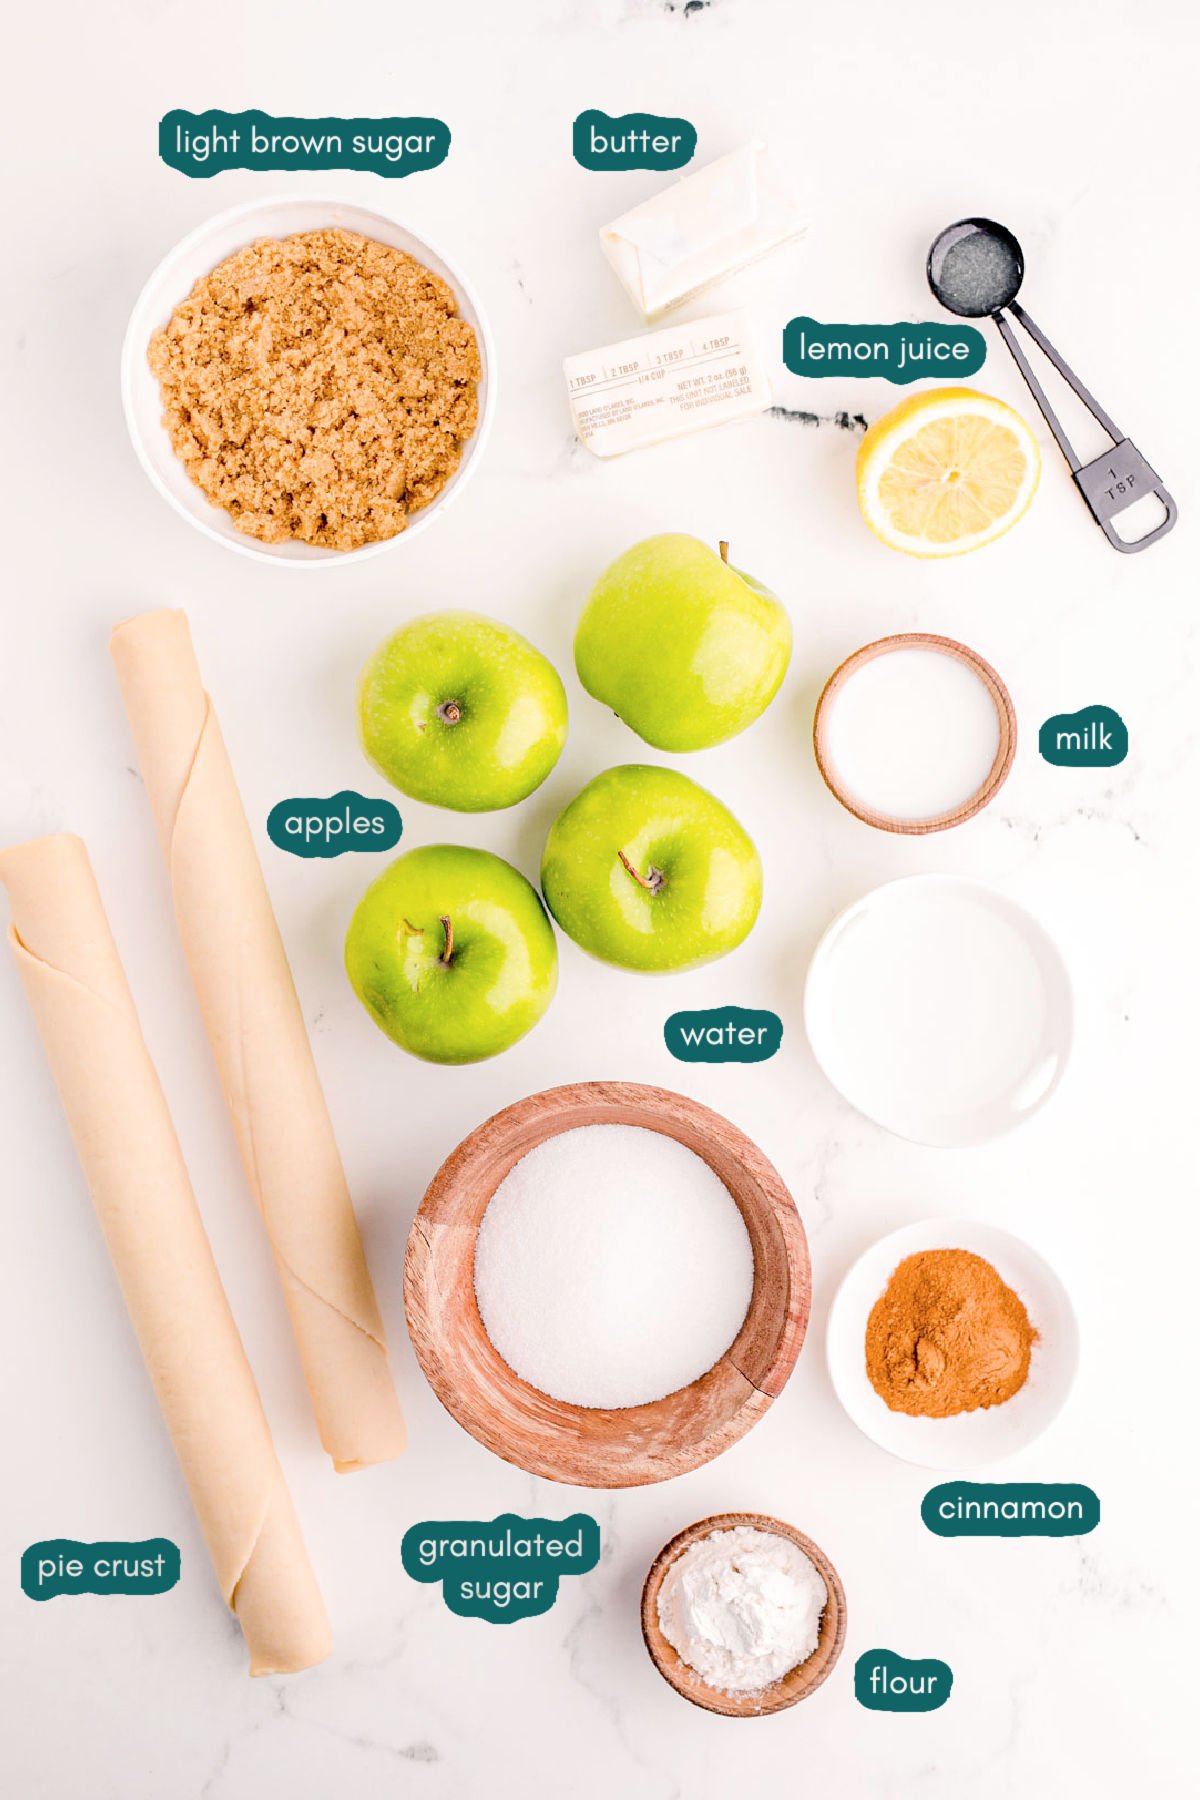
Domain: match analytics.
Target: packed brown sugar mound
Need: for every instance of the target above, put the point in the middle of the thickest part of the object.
(318, 387)
(946, 1336)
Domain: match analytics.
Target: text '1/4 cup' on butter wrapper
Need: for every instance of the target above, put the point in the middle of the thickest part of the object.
(701, 229)
(665, 384)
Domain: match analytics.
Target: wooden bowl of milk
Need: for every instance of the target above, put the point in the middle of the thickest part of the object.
(914, 733)
(607, 1230)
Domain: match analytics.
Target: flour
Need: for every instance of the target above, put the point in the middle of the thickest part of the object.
(742, 1608)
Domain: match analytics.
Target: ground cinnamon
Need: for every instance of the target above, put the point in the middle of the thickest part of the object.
(947, 1336)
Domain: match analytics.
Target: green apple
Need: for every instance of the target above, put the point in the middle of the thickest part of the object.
(460, 711)
(452, 954)
(681, 645)
(648, 870)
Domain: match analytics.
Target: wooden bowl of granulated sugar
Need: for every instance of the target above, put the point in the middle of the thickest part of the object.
(643, 1273)
(730, 1539)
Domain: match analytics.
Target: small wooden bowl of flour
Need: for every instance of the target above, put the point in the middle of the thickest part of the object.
(604, 1443)
(795, 1683)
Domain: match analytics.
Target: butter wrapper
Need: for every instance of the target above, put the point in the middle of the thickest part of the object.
(665, 384)
(700, 229)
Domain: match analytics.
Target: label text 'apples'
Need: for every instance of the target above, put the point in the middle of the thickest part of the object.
(347, 821)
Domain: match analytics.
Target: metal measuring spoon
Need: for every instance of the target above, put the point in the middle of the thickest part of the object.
(975, 269)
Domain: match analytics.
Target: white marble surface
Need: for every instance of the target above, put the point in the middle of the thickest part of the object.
(1068, 1656)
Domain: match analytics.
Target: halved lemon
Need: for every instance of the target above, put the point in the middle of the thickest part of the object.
(946, 471)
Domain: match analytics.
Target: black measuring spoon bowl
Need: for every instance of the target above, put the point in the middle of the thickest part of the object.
(975, 268)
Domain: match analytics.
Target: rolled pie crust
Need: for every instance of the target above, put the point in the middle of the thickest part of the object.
(255, 1026)
(68, 962)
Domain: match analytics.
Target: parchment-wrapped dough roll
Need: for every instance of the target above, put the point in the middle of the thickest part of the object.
(264, 1060)
(131, 1157)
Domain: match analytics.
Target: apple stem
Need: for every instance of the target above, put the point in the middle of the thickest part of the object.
(448, 947)
(652, 880)
(449, 712)
(724, 547)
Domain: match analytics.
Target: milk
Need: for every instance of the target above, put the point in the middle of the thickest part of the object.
(911, 734)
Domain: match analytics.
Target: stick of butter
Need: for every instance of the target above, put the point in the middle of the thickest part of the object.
(665, 384)
(701, 228)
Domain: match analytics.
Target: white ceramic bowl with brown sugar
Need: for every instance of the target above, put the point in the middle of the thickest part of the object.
(193, 258)
(602, 1447)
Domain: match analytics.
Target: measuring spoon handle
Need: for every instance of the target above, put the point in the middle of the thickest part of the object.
(1112, 481)
(1064, 368)
(1035, 387)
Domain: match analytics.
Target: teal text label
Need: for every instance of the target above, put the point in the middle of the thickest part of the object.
(724, 1034)
(346, 821)
(67, 1566)
(1011, 1509)
(633, 141)
(886, 1682)
(204, 144)
(899, 353)
(502, 1570)
(1093, 738)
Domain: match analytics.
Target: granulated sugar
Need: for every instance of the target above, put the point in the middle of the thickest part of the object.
(612, 1266)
